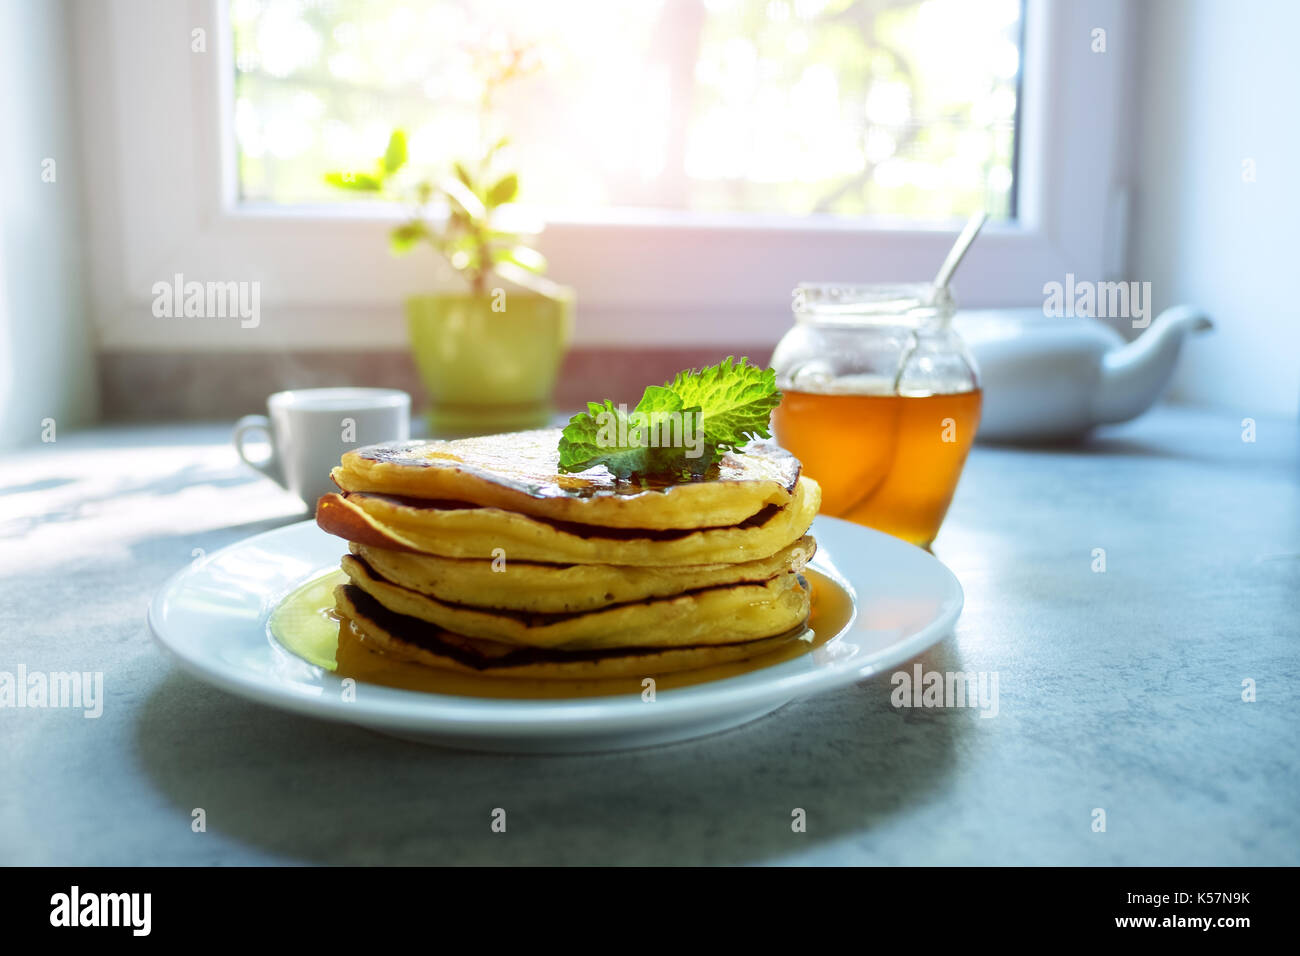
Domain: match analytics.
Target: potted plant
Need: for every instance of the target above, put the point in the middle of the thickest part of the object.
(488, 354)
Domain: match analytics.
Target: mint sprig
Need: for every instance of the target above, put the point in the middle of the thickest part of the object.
(678, 429)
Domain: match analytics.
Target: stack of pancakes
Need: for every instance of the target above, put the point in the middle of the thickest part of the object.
(478, 555)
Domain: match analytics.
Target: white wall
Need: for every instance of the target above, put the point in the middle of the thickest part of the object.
(46, 354)
(1220, 84)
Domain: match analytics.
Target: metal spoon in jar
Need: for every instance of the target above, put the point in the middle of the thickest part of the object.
(939, 287)
(955, 255)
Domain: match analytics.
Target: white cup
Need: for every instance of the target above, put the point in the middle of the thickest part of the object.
(309, 429)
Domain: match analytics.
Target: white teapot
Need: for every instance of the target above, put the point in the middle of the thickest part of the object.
(1047, 378)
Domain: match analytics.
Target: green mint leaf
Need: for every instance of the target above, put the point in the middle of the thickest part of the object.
(678, 429)
(737, 399)
(622, 441)
(586, 443)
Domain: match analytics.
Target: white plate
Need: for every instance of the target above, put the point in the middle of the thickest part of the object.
(213, 617)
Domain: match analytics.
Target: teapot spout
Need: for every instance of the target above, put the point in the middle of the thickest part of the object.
(1133, 376)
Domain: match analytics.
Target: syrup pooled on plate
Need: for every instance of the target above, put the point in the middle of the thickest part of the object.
(887, 461)
(306, 625)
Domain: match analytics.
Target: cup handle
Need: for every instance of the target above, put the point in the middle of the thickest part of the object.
(270, 465)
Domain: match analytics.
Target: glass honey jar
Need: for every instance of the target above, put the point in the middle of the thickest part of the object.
(881, 400)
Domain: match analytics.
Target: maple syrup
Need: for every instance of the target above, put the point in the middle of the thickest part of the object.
(306, 625)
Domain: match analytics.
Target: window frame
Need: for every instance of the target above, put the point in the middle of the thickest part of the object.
(642, 276)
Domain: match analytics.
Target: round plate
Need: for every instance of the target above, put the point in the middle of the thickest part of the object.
(213, 616)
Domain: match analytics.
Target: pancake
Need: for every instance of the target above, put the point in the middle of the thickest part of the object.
(601, 577)
(519, 472)
(722, 614)
(454, 530)
(410, 639)
(555, 588)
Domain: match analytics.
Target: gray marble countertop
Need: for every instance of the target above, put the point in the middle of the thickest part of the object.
(1120, 690)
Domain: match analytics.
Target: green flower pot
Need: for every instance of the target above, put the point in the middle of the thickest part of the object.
(489, 371)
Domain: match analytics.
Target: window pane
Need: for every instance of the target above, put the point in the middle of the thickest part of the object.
(882, 107)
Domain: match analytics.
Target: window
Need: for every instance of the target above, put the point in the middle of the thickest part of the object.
(665, 261)
(903, 110)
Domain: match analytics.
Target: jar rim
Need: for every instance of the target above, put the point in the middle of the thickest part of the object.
(894, 303)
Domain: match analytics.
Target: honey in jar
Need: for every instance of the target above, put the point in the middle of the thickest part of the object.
(881, 404)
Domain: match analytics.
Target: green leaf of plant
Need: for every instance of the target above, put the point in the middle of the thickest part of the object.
(407, 235)
(395, 154)
(357, 182)
(716, 409)
(523, 256)
(502, 237)
(585, 444)
(505, 190)
(605, 435)
(463, 199)
(464, 176)
(737, 399)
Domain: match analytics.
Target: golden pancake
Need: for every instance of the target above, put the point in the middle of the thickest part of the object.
(418, 641)
(469, 532)
(519, 472)
(724, 614)
(557, 588)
